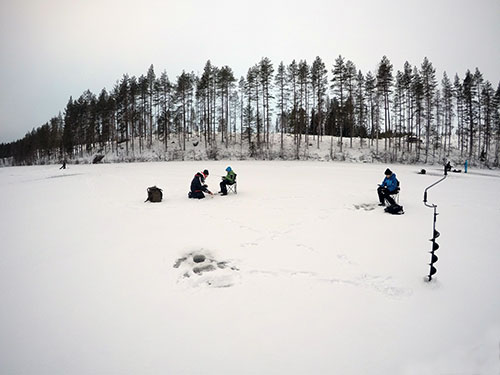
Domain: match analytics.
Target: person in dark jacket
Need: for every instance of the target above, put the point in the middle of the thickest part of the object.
(389, 186)
(198, 185)
(228, 179)
(447, 168)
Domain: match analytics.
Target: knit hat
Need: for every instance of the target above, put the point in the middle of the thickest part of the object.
(228, 169)
(388, 172)
(205, 172)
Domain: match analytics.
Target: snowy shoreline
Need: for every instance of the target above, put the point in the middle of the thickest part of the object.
(329, 150)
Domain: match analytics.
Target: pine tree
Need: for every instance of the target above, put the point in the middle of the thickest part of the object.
(409, 104)
(55, 135)
(458, 94)
(370, 85)
(151, 77)
(448, 114)
(184, 88)
(469, 94)
(157, 105)
(360, 107)
(384, 86)
(208, 83)
(281, 83)
(436, 131)
(293, 72)
(319, 82)
(241, 87)
(339, 87)
(142, 85)
(69, 128)
(478, 82)
(417, 89)
(252, 93)
(225, 81)
(429, 86)
(488, 105)
(303, 80)
(202, 97)
(266, 71)
(103, 112)
(134, 116)
(88, 124)
(166, 106)
(398, 107)
(123, 109)
(253, 79)
(350, 71)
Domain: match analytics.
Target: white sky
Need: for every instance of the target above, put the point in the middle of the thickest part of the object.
(53, 49)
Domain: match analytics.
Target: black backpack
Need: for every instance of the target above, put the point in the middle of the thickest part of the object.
(395, 209)
(154, 194)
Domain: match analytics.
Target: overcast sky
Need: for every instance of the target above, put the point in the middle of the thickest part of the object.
(53, 49)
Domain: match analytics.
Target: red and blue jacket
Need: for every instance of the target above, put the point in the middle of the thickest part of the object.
(198, 183)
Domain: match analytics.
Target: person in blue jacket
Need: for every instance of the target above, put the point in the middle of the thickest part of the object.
(389, 186)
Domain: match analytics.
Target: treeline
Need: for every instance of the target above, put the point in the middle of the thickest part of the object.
(415, 116)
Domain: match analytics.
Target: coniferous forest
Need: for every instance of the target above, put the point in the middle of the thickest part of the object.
(407, 115)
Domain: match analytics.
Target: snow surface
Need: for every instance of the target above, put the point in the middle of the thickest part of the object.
(304, 273)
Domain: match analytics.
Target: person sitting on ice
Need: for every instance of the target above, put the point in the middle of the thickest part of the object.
(228, 179)
(447, 167)
(389, 186)
(198, 185)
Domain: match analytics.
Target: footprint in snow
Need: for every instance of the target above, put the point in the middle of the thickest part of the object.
(365, 206)
(384, 285)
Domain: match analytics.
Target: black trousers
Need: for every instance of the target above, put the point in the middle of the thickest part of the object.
(196, 194)
(384, 194)
(223, 186)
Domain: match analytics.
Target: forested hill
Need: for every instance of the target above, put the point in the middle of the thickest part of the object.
(297, 111)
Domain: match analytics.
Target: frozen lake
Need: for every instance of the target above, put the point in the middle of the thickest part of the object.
(303, 272)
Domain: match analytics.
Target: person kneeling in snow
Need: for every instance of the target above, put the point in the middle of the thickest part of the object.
(198, 185)
(389, 186)
(229, 179)
(447, 167)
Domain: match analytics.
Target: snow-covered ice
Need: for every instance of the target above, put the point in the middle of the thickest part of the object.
(303, 272)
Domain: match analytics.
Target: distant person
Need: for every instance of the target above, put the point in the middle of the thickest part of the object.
(447, 168)
(465, 165)
(63, 166)
(198, 185)
(389, 186)
(228, 179)
(482, 157)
